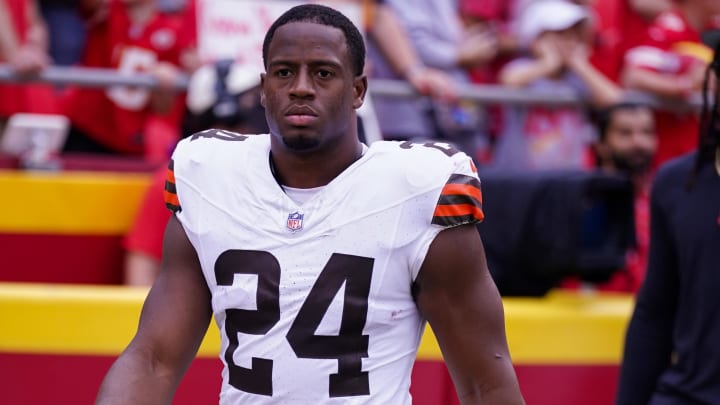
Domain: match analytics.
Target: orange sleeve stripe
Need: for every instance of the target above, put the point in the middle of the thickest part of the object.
(171, 198)
(457, 210)
(171, 175)
(462, 189)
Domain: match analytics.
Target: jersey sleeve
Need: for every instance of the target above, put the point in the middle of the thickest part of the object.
(460, 200)
(194, 159)
(170, 194)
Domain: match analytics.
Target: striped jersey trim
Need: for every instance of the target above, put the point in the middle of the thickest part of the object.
(460, 202)
(170, 193)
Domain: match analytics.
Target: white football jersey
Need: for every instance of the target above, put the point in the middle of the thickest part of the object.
(314, 301)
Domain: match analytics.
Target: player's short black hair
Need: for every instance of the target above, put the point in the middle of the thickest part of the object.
(316, 13)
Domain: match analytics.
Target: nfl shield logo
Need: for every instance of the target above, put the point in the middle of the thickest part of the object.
(295, 221)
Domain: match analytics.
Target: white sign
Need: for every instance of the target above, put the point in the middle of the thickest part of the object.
(235, 29)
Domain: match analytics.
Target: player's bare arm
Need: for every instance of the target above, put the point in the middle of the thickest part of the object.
(173, 322)
(455, 293)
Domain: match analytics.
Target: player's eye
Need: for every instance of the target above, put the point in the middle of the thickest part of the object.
(324, 74)
(283, 73)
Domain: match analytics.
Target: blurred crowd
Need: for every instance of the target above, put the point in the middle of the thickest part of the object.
(598, 50)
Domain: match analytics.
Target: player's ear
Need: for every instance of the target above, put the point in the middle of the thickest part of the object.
(360, 86)
(262, 89)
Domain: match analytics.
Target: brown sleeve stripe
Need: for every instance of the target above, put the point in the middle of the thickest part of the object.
(171, 201)
(170, 187)
(460, 202)
(170, 193)
(457, 178)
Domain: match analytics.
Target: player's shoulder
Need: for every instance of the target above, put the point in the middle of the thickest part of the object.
(218, 134)
(423, 156)
(423, 164)
(218, 140)
(216, 146)
(448, 173)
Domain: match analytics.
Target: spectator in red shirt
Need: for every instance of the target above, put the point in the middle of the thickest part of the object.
(622, 25)
(671, 64)
(23, 36)
(24, 46)
(131, 36)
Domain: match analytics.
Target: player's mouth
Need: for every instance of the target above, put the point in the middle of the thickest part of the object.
(301, 115)
(301, 120)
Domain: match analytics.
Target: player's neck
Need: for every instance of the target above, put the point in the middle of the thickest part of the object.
(315, 169)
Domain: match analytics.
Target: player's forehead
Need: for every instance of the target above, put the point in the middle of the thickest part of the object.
(308, 39)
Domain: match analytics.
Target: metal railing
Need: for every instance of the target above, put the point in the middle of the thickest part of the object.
(484, 94)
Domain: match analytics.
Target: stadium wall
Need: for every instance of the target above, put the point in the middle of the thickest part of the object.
(64, 318)
(57, 341)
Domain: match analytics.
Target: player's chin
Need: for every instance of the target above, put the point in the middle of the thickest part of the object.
(300, 142)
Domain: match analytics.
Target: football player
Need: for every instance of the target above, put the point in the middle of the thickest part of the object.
(320, 258)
